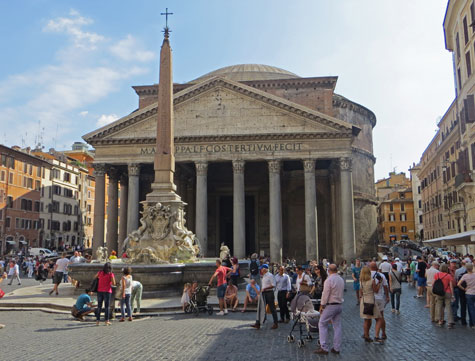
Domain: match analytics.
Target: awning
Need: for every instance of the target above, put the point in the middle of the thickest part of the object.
(11, 242)
(23, 242)
(458, 239)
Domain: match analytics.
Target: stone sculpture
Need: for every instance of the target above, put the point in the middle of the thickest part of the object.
(101, 254)
(162, 237)
(224, 251)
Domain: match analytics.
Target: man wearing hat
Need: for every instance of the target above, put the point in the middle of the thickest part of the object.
(385, 267)
(267, 298)
(399, 264)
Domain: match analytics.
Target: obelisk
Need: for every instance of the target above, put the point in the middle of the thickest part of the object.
(163, 187)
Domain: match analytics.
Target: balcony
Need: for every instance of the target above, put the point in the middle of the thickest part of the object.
(462, 178)
(457, 207)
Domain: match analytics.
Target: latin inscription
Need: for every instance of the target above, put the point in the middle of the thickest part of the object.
(230, 148)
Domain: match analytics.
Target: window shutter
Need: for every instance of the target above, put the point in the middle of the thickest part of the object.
(469, 104)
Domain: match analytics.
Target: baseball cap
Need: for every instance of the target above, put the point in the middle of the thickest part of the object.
(385, 258)
(397, 259)
(266, 266)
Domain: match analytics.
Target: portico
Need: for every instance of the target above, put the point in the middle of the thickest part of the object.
(258, 172)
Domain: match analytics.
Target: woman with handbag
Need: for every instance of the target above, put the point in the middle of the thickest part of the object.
(105, 281)
(368, 308)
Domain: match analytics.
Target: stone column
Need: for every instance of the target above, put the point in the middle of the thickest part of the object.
(239, 211)
(202, 205)
(133, 198)
(311, 223)
(348, 246)
(275, 212)
(123, 212)
(112, 210)
(99, 205)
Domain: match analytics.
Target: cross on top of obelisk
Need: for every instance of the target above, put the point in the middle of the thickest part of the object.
(166, 30)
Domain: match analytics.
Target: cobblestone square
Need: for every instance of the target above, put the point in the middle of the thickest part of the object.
(32, 335)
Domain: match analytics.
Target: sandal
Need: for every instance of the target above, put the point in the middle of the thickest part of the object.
(378, 339)
(368, 339)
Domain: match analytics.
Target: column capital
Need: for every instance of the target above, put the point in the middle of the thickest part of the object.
(201, 168)
(99, 169)
(238, 166)
(134, 169)
(309, 165)
(274, 166)
(345, 164)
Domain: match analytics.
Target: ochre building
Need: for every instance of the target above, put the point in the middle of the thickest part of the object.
(262, 156)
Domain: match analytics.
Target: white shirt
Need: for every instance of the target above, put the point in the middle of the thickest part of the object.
(61, 264)
(385, 267)
(399, 266)
(299, 280)
(267, 280)
(14, 270)
(430, 273)
(77, 259)
(380, 294)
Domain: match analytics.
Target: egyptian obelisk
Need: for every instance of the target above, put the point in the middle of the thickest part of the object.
(163, 187)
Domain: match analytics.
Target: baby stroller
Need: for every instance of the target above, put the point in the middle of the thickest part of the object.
(199, 302)
(304, 317)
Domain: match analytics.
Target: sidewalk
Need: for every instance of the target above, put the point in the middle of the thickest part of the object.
(38, 298)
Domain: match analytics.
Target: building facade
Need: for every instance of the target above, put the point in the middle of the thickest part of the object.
(417, 200)
(21, 176)
(260, 153)
(459, 31)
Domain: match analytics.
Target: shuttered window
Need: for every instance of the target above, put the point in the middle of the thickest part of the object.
(465, 30)
(469, 64)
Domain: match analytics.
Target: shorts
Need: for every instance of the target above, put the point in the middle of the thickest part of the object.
(421, 281)
(84, 310)
(222, 290)
(380, 304)
(57, 278)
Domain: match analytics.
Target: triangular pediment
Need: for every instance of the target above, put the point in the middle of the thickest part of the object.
(220, 107)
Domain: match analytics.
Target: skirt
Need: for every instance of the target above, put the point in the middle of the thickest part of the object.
(376, 313)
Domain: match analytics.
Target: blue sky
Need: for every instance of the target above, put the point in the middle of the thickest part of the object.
(68, 66)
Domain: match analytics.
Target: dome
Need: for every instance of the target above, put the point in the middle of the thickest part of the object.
(246, 72)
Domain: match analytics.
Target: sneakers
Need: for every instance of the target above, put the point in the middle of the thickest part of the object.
(225, 311)
(256, 326)
(274, 326)
(221, 313)
(398, 312)
(393, 310)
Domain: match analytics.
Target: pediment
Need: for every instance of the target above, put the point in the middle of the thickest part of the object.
(222, 108)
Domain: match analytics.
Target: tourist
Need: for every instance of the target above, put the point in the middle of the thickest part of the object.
(83, 305)
(267, 298)
(421, 277)
(385, 267)
(283, 286)
(59, 269)
(137, 289)
(303, 280)
(186, 296)
(231, 296)
(368, 289)
(319, 277)
(254, 269)
(459, 295)
(253, 292)
(467, 284)
(381, 299)
(445, 300)
(398, 264)
(221, 273)
(431, 272)
(234, 274)
(395, 288)
(355, 274)
(4, 276)
(330, 311)
(14, 272)
(126, 287)
(413, 267)
(41, 272)
(31, 267)
(106, 280)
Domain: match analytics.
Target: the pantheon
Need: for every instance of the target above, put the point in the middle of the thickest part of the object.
(267, 162)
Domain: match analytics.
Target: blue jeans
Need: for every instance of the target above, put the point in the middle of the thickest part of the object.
(125, 303)
(106, 298)
(471, 309)
(396, 294)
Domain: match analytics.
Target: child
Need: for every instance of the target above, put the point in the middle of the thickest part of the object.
(126, 283)
(185, 298)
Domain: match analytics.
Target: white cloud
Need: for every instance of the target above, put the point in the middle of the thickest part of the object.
(84, 113)
(72, 26)
(105, 119)
(129, 49)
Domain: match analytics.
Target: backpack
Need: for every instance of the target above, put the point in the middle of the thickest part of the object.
(254, 268)
(438, 287)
